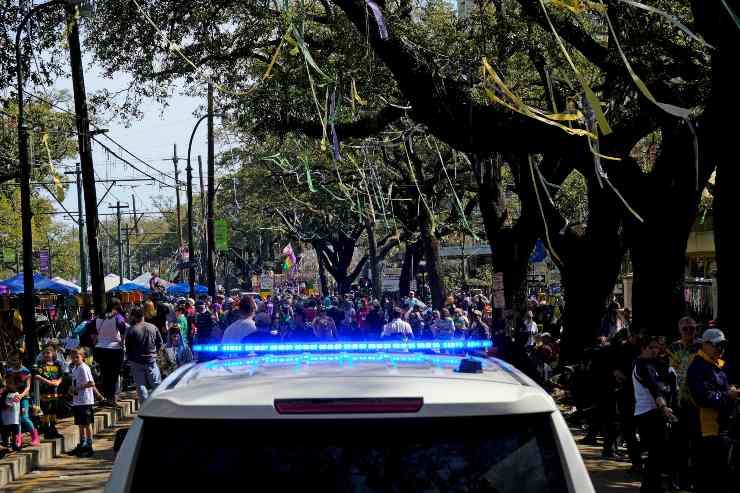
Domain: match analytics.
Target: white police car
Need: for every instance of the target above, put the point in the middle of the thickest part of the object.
(349, 420)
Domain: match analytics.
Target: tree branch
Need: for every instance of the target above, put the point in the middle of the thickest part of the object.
(8, 176)
(356, 271)
(579, 39)
(364, 127)
(445, 105)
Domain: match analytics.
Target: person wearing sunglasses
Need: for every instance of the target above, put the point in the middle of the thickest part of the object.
(681, 352)
(713, 401)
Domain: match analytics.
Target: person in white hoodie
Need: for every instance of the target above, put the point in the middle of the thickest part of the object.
(110, 327)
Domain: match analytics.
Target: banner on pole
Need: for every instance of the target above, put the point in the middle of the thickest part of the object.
(8, 255)
(44, 261)
(221, 235)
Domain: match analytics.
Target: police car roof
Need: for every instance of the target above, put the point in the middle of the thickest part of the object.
(247, 388)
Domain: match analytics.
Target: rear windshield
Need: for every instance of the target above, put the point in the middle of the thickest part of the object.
(472, 454)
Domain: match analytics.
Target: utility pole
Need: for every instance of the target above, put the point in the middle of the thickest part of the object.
(118, 208)
(106, 265)
(177, 198)
(128, 251)
(48, 247)
(86, 161)
(211, 196)
(191, 257)
(226, 272)
(136, 221)
(202, 190)
(81, 230)
(204, 237)
(28, 311)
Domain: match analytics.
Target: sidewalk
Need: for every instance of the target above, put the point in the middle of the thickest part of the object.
(18, 464)
(67, 474)
(608, 475)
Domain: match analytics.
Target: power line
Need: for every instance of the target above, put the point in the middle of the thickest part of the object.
(64, 110)
(137, 158)
(129, 163)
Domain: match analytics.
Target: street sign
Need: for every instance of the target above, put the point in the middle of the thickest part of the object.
(266, 283)
(221, 235)
(8, 255)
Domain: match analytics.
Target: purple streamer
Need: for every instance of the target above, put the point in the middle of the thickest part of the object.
(332, 120)
(379, 19)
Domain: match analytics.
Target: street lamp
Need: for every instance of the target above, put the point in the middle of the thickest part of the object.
(28, 311)
(189, 188)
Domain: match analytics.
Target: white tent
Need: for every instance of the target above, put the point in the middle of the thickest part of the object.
(112, 280)
(66, 283)
(143, 280)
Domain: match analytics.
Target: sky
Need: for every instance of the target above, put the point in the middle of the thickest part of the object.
(151, 139)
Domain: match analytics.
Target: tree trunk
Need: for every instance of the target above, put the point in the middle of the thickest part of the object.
(324, 287)
(430, 245)
(510, 246)
(372, 248)
(344, 284)
(658, 246)
(587, 285)
(410, 260)
(724, 106)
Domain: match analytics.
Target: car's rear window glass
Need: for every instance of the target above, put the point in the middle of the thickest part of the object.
(470, 454)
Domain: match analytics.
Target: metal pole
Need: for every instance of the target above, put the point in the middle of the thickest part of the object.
(120, 244)
(189, 184)
(191, 249)
(48, 247)
(81, 230)
(86, 161)
(128, 252)
(204, 237)
(136, 221)
(211, 196)
(177, 198)
(202, 190)
(28, 311)
(119, 239)
(226, 272)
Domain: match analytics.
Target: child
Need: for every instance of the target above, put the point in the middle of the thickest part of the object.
(19, 378)
(50, 376)
(82, 389)
(10, 411)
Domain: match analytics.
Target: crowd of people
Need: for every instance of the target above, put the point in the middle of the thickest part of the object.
(668, 403)
(671, 399)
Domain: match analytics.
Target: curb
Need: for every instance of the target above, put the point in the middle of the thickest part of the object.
(20, 463)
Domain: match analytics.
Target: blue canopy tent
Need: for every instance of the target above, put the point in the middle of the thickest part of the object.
(40, 283)
(47, 284)
(183, 289)
(130, 287)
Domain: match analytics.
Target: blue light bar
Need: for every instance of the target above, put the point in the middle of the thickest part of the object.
(298, 360)
(333, 347)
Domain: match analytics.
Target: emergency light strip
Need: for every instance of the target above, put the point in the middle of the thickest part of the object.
(344, 358)
(341, 346)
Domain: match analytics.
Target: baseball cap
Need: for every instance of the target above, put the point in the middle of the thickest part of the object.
(713, 336)
(199, 303)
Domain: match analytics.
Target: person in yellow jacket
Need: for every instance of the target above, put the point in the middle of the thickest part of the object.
(713, 401)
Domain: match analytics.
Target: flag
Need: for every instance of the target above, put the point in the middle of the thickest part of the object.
(290, 259)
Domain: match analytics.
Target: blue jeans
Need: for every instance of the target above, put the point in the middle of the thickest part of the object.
(146, 377)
